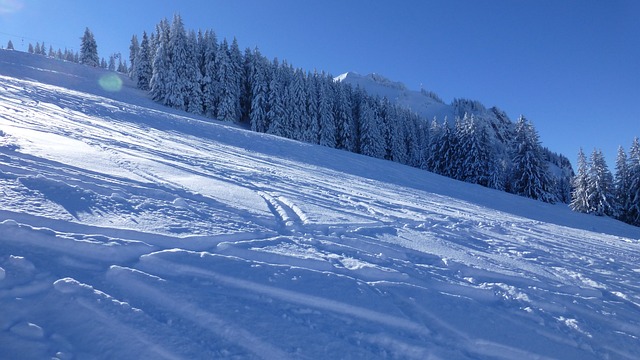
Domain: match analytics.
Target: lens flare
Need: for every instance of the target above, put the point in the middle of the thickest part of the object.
(110, 82)
(10, 6)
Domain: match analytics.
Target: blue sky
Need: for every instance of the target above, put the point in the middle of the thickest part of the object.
(571, 67)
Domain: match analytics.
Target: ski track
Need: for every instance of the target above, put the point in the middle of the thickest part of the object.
(176, 242)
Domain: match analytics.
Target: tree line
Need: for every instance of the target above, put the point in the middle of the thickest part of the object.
(596, 191)
(88, 54)
(197, 73)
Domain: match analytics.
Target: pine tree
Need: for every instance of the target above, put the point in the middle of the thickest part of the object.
(276, 102)
(474, 151)
(633, 213)
(344, 119)
(178, 75)
(36, 50)
(10, 45)
(530, 174)
(142, 63)
(230, 78)
(195, 99)
(260, 93)
(134, 49)
(211, 89)
(89, 49)
(579, 195)
(371, 137)
(31, 50)
(621, 185)
(297, 105)
(310, 127)
(599, 186)
(160, 65)
(325, 114)
(112, 63)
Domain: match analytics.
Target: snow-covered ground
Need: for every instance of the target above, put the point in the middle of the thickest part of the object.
(135, 232)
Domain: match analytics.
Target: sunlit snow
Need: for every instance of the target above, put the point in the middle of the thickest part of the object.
(129, 231)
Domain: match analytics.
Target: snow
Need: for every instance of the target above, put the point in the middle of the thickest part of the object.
(128, 230)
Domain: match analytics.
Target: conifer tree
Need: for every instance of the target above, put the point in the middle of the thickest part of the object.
(371, 137)
(31, 50)
(89, 49)
(10, 45)
(112, 63)
(276, 102)
(325, 114)
(195, 101)
(599, 186)
(260, 93)
(344, 119)
(530, 176)
(142, 63)
(621, 185)
(160, 65)
(579, 195)
(134, 49)
(633, 213)
(297, 105)
(211, 88)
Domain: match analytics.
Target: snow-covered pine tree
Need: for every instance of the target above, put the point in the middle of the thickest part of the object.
(621, 185)
(371, 136)
(89, 49)
(448, 150)
(416, 135)
(227, 76)
(247, 87)
(134, 48)
(160, 65)
(310, 126)
(276, 101)
(296, 112)
(344, 118)
(599, 186)
(259, 92)
(325, 113)
(633, 214)
(210, 85)
(530, 175)
(142, 63)
(195, 99)
(474, 151)
(434, 162)
(178, 75)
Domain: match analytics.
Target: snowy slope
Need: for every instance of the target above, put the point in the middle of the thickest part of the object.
(128, 231)
(419, 102)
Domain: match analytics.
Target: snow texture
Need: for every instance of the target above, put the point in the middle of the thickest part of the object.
(128, 230)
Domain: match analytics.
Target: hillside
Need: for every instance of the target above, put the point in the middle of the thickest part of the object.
(128, 230)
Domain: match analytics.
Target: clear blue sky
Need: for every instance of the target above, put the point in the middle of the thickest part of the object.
(571, 67)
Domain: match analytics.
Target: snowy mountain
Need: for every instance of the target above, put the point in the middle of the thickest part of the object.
(429, 106)
(129, 230)
(425, 104)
